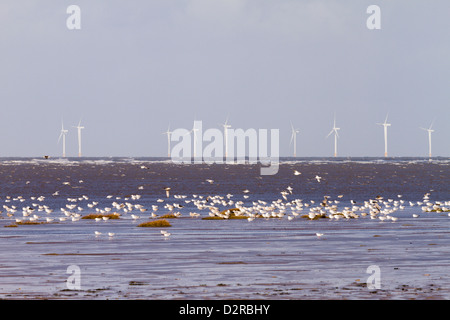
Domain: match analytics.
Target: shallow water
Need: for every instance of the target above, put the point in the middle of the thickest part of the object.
(272, 258)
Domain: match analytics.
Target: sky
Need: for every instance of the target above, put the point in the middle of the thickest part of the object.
(136, 67)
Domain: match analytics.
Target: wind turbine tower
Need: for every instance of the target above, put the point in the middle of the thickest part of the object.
(226, 126)
(63, 136)
(79, 127)
(429, 138)
(194, 130)
(336, 135)
(294, 138)
(169, 133)
(385, 125)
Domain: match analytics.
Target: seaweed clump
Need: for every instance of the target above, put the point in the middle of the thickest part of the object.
(156, 224)
(95, 216)
(168, 216)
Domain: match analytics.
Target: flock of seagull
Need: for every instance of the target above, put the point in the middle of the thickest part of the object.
(377, 208)
(220, 206)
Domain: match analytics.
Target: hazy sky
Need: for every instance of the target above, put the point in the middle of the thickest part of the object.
(136, 66)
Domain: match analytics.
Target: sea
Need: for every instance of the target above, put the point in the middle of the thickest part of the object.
(286, 256)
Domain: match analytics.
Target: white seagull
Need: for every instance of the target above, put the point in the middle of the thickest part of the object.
(167, 191)
(165, 233)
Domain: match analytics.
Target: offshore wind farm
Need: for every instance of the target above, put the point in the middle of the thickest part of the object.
(226, 127)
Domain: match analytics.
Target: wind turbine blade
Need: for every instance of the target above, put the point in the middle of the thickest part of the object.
(329, 134)
(385, 121)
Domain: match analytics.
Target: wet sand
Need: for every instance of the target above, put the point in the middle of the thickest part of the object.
(229, 259)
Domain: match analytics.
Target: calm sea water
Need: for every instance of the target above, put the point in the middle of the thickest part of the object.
(203, 259)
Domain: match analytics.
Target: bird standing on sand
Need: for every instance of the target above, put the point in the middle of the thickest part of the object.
(167, 191)
(325, 201)
(165, 233)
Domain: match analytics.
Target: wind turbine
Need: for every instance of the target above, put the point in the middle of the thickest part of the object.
(79, 127)
(195, 140)
(385, 125)
(225, 133)
(294, 137)
(169, 133)
(336, 135)
(63, 136)
(194, 130)
(429, 138)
